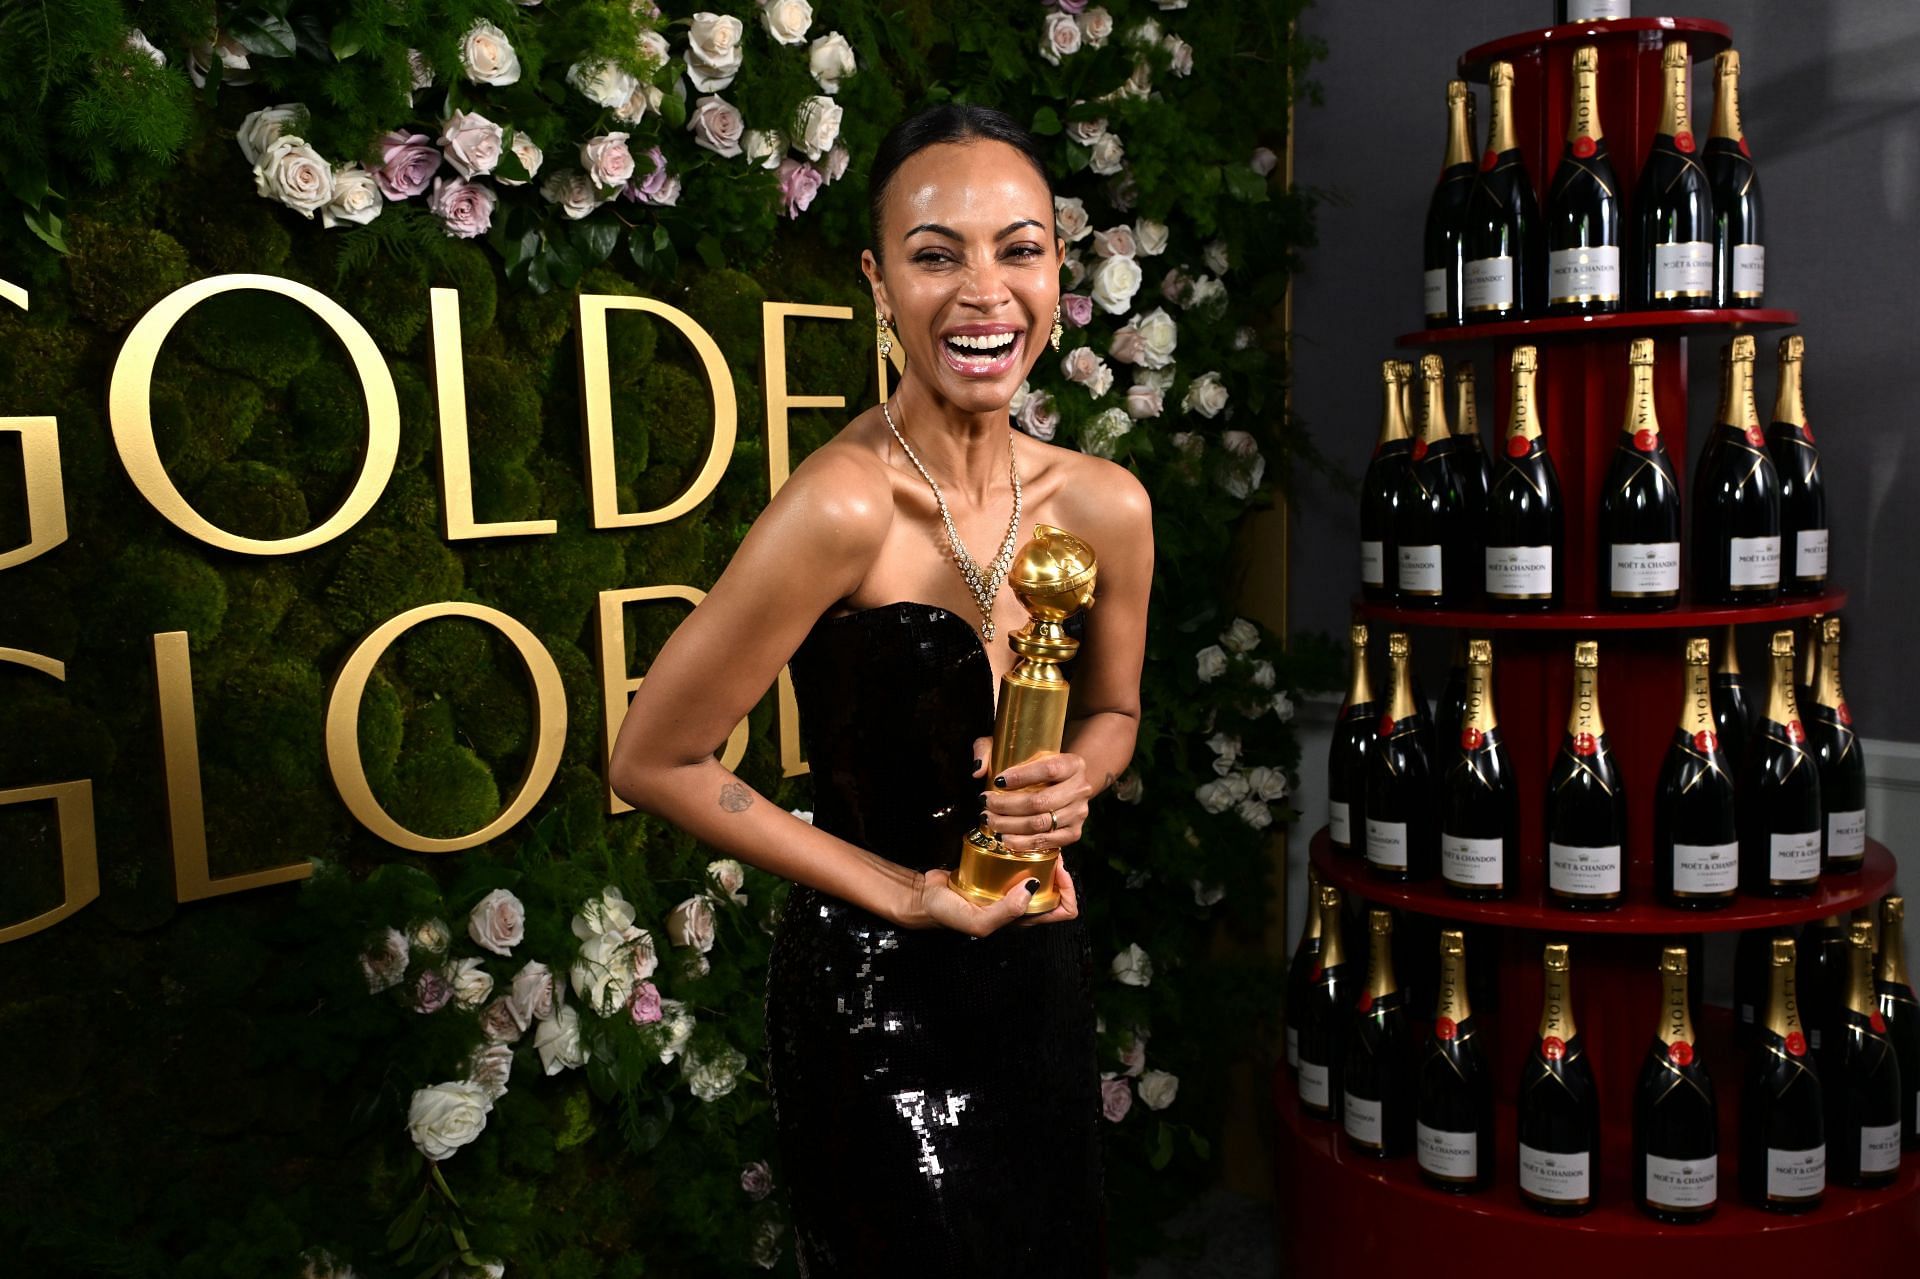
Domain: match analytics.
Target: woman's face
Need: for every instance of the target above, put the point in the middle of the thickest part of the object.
(971, 272)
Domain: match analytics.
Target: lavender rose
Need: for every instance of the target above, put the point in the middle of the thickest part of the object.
(645, 1008)
(472, 143)
(1116, 1099)
(497, 1023)
(757, 1180)
(408, 162)
(716, 124)
(430, 992)
(1076, 309)
(465, 210)
(799, 183)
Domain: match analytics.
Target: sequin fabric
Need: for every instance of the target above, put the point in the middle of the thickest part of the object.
(936, 1095)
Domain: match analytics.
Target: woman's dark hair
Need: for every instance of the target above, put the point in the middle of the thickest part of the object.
(948, 122)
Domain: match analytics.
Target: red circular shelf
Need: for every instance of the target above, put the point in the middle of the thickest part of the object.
(1683, 618)
(1548, 327)
(1639, 915)
(1705, 38)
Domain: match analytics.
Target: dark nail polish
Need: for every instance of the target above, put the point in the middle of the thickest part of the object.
(1000, 782)
(977, 763)
(983, 817)
(1033, 886)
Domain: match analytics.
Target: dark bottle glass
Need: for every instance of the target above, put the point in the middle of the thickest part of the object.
(1780, 832)
(1479, 814)
(1822, 978)
(1402, 834)
(1676, 1131)
(1380, 489)
(1447, 213)
(1505, 272)
(1451, 710)
(1696, 840)
(1864, 1088)
(1640, 506)
(1807, 643)
(1901, 1011)
(1739, 251)
(1378, 1108)
(1583, 207)
(1558, 1113)
(1673, 209)
(1783, 1132)
(1525, 524)
(1803, 488)
(1475, 476)
(1353, 734)
(1435, 533)
(1306, 958)
(1736, 499)
(1732, 709)
(1842, 767)
(1453, 1129)
(1586, 802)
(1323, 1024)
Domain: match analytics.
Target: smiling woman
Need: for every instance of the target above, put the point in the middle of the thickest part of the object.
(932, 1059)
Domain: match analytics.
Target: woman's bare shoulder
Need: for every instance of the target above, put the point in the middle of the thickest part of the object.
(1105, 499)
(842, 490)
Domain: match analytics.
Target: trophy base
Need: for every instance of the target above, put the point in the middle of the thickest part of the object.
(989, 870)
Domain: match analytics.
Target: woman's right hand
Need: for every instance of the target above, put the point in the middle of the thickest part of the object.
(946, 908)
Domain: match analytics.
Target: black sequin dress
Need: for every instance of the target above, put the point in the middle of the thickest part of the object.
(937, 1095)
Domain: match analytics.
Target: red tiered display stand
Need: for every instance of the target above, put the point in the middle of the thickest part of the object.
(1345, 1210)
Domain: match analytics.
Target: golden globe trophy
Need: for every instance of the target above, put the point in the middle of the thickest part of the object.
(1053, 578)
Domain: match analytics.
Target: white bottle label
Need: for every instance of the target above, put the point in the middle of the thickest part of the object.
(1339, 823)
(1753, 561)
(1645, 568)
(1587, 872)
(1847, 835)
(1488, 284)
(1749, 275)
(1548, 1174)
(1450, 1156)
(1683, 1183)
(1464, 860)
(1313, 1083)
(1293, 1048)
(1598, 10)
(1810, 553)
(1420, 570)
(1880, 1148)
(1706, 868)
(1387, 844)
(1520, 572)
(1364, 1127)
(1796, 1174)
(1373, 564)
(1683, 270)
(1584, 275)
(1794, 856)
(1434, 284)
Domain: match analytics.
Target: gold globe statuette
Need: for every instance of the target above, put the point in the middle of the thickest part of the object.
(1053, 578)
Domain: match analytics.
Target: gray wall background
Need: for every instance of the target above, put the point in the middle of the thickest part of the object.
(1830, 101)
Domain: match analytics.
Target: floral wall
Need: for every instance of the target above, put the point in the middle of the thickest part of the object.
(543, 1056)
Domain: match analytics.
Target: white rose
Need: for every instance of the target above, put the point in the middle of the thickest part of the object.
(531, 998)
(1220, 794)
(419, 71)
(834, 167)
(293, 173)
(1115, 281)
(730, 876)
(1059, 37)
(655, 46)
(1255, 814)
(1244, 337)
(1070, 218)
(610, 912)
(1079, 364)
(1133, 966)
(138, 42)
(603, 974)
(1075, 267)
(1087, 132)
(1212, 661)
(786, 20)
(713, 50)
(603, 83)
(1159, 379)
(558, 1042)
(675, 1028)
(1270, 784)
(430, 935)
(1207, 894)
(1246, 464)
(1181, 54)
(691, 924)
(489, 1066)
(1157, 1087)
(1038, 417)
(1138, 85)
(259, 130)
(1144, 34)
(819, 125)
(1130, 787)
(528, 152)
(472, 984)
(1216, 255)
(764, 147)
(1096, 26)
(472, 143)
(830, 59)
(1282, 707)
(385, 962)
(1206, 395)
(1224, 747)
(1206, 294)
(1173, 285)
(232, 54)
(1101, 437)
(712, 1075)
(445, 1117)
(1159, 338)
(607, 160)
(1263, 161)
(572, 191)
(1150, 237)
(717, 125)
(1108, 155)
(1144, 401)
(1242, 637)
(487, 57)
(498, 922)
(644, 99)
(1263, 674)
(1114, 242)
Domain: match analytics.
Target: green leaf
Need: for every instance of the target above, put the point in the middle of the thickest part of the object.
(1201, 1146)
(345, 41)
(673, 111)
(1244, 184)
(710, 252)
(596, 238)
(509, 165)
(1162, 1148)
(1046, 122)
(407, 1224)
(46, 224)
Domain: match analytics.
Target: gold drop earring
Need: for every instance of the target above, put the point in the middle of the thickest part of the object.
(884, 335)
(1059, 330)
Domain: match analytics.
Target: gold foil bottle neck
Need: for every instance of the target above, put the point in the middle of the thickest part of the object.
(1676, 1019)
(1584, 723)
(1332, 951)
(1466, 407)
(1380, 979)
(1313, 903)
(1451, 1006)
(1642, 415)
(1827, 690)
(1433, 400)
(1783, 1005)
(1480, 715)
(1781, 705)
(1726, 95)
(1399, 678)
(1359, 683)
(1393, 405)
(1501, 136)
(1583, 121)
(1523, 408)
(1556, 1006)
(1696, 707)
(1742, 412)
(1789, 398)
(1893, 950)
(1459, 128)
(1676, 117)
(1861, 997)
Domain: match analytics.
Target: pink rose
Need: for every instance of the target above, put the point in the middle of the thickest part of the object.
(645, 1006)
(465, 210)
(1174, 284)
(799, 183)
(606, 159)
(757, 1180)
(1077, 309)
(1038, 417)
(1116, 1099)
(1145, 401)
(472, 143)
(498, 1024)
(1116, 242)
(408, 162)
(1125, 346)
(430, 992)
(1067, 6)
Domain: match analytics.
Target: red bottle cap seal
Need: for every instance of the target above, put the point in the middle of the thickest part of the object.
(1646, 441)
(1680, 1053)
(1470, 738)
(1585, 744)
(1517, 446)
(1584, 147)
(1797, 1044)
(1706, 741)
(1684, 141)
(1444, 1028)
(1553, 1048)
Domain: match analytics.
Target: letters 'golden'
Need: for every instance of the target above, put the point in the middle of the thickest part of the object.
(46, 498)
(73, 817)
(456, 467)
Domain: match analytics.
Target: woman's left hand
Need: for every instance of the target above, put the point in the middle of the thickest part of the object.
(1050, 816)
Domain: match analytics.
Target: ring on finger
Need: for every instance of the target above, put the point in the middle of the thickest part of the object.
(1053, 820)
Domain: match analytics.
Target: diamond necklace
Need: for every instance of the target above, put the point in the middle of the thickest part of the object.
(987, 588)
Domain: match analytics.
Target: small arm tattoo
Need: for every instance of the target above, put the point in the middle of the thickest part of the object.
(735, 797)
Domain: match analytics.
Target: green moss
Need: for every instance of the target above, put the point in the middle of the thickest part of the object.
(581, 679)
(117, 272)
(269, 718)
(387, 571)
(259, 593)
(578, 796)
(237, 233)
(262, 817)
(676, 410)
(307, 631)
(468, 270)
(441, 792)
(550, 583)
(632, 336)
(329, 411)
(200, 417)
(727, 304)
(37, 603)
(632, 443)
(254, 500)
(412, 501)
(67, 742)
(40, 360)
(495, 712)
(418, 422)
(382, 728)
(391, 304)
(262, 335)
(507, 492)
(537, 323)
(503, 411)
(435, 658)
(156, 588)
(675, 552)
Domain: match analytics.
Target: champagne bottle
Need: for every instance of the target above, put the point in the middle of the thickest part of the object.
(1673, 209)
(1450, 712)
(1842, 767)
(1864, 1089)
(1479, 816)
(1822, 977)
(1525, 524)
(1353, 734)
(1583, 207)
(1401, 832)
(1739, 252)
(1807, 644)
(1736, 499)
(1586, 802)
(1323, 1027)
(1591, 10)
(1783, 1135)
(1435, 533)
(1696, 841)
(1558, 1112)
(1803, 489)
(1732, 713)
(1380, 489)
(1447, 213)
(1676, 1131)
(1306, 959)
(1453, 1130)
(1505, 272)
(1901, 1011)
(1780, 831)
(1752, 966)
(1466, 429)
(1640, 506)
(1378, 1109)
